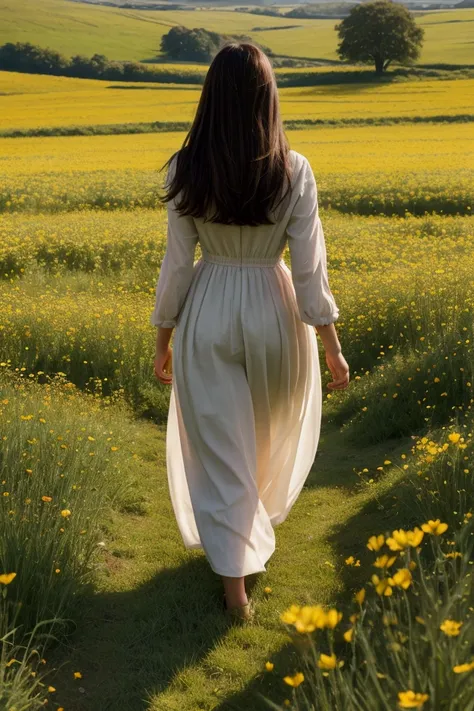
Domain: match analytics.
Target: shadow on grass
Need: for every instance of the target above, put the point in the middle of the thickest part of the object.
(393, 509)
(130, 644)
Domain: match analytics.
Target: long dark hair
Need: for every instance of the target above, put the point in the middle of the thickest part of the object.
(234, 162)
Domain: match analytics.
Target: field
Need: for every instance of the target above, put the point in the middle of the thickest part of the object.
(124, 34)
(40, 101)
(89, 547)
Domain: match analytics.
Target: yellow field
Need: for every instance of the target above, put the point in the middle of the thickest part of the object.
(38, 101)
(362, 169)
(383, 149)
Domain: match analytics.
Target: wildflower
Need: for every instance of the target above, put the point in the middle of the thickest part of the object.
(333, 617)
(451, 627)
(51, 689)
(269, 666)
(348, 635)
(267, 590)
(375, 543)
(295, 680)
(77, 675)
(402, 539)
(308, 618)
(352, 561)
(46, 498)
(462, 668)
(402, 578)
(411, 700)
(436, 528)
(454, 437)
(327, 662)
(382, 585)
(6, 578)
(360, 596)
(65, 513)
(385, 561)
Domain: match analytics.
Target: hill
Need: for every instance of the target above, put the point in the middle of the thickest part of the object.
(125, 34)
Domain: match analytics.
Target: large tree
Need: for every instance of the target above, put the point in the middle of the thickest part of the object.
(379, 31)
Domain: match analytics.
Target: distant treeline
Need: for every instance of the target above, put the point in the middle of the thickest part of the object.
(320, 10)
(28, 58)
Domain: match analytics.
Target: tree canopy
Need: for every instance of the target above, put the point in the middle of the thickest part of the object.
(379, 31)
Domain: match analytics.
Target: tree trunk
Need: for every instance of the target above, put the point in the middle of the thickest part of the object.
(379, 62)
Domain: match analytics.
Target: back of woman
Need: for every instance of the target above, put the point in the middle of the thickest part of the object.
(245, 407)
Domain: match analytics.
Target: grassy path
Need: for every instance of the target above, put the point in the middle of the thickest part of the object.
(151, 636)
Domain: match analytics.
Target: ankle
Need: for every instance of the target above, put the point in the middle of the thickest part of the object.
(235, 600)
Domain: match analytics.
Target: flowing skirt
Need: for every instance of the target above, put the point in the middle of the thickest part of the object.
(245, 412)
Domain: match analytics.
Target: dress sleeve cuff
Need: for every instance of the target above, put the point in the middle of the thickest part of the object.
(164, 324)
(321, 320)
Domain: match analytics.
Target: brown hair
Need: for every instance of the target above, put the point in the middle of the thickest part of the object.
(235, 158)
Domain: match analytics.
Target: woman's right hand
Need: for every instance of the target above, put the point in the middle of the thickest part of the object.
(339, 368)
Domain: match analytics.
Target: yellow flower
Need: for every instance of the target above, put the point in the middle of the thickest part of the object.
(46, 498)
(411, 700)
(382, 585)
(461, 668)
(327, 662)
(77, 675)
(65, 513)
(451, 627)
(269, 666)
(295, 680)
(291, 615)
(267, 590)
(348, 635)
(12, 661)
(6, 578)
(402, 578)
(375, 543)
(402, 539)
(454, 437)
(436, 528)
(385, 561)
(360, 596)
(51, 689)
(333, 617)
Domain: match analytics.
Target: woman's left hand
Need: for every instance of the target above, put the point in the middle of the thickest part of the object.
(164, 365)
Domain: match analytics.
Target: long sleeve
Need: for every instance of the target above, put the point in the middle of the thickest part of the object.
(176, 269)
(307, 246)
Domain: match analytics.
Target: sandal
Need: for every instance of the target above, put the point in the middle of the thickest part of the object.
(241, 613)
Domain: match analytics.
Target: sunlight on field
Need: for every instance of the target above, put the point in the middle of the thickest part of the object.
(126, 34)
(330, 150)
(58, 101)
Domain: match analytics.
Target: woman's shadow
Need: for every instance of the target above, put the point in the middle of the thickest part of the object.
(130, 645)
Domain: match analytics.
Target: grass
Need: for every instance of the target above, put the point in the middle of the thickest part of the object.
(153, 628)
(126, 34)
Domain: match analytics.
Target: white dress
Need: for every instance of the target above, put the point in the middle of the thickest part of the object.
(245, 408)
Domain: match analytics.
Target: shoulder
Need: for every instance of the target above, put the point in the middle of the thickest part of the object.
(302, 171)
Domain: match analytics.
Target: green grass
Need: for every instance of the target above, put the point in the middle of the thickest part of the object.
(154, 630)
(125, 34)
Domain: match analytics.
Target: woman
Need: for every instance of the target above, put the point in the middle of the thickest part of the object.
(245, 406)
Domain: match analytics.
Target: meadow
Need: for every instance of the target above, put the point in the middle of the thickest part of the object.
(31, 101)
(127, 34)
(368, 602)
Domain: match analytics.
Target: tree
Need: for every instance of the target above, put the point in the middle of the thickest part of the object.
(379, 31)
